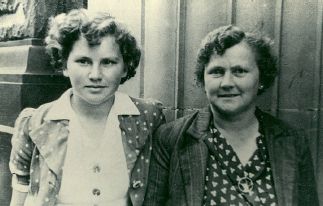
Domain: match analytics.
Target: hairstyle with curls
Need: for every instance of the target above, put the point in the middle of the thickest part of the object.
(226, 37)
(66, 29)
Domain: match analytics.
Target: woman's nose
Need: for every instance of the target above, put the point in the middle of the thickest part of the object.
(227, 80)
(95, 72)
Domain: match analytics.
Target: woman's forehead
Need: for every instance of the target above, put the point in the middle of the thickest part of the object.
(241, 52)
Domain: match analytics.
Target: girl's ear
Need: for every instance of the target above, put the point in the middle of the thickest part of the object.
(65, 72)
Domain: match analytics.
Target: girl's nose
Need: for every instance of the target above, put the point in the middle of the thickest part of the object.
(95, 72)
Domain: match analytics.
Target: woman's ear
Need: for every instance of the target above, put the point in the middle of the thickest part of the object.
(125, 72)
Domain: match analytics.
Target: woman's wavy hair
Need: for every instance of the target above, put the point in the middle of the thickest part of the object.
(223, 38)
(66, 29)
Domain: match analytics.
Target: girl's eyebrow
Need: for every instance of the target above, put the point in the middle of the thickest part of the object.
(81, 57)
(114, 58)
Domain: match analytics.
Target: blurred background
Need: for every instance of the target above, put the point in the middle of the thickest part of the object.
(169, 32)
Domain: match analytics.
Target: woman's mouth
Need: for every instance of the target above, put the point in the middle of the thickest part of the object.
(95, 86)
(227, 95)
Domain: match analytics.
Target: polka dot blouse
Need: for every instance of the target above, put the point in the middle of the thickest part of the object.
(228, 182)
(39, 148)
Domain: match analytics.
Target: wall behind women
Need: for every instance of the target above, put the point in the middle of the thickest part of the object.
(170, 32)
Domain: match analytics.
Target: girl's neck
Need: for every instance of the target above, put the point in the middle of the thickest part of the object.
(92, 111)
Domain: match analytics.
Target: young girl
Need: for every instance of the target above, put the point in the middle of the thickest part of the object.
(92, 146)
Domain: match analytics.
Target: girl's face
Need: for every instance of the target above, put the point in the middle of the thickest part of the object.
(232, 80)
(95, 72)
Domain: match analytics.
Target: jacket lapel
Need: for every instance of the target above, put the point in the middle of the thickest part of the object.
(284, 169)
(49, 138)
(193, 154)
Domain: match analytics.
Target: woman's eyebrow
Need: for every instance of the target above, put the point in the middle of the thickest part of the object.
(237, 67)
(216, 67)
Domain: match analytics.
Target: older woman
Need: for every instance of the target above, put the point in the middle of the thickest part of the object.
(92, 146)
(231, 153)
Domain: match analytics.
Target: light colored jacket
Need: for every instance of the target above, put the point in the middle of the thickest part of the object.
(39, 149)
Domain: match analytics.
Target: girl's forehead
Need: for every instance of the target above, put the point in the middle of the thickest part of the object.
(107, 48)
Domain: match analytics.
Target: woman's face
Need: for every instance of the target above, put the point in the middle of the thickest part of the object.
(232, 80)
(95, 72)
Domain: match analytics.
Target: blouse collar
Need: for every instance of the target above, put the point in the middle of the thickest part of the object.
(62, 109)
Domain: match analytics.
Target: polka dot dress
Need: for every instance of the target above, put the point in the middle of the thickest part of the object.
(228, 182)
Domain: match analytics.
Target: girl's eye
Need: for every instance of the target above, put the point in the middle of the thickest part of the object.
(239, 72)
(83, 61)
(108, 62)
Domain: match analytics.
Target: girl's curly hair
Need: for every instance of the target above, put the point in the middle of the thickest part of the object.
(66, 29)
(223, 38)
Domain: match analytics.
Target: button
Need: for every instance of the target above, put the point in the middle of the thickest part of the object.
(136, 184)
(96, 168)
(96, 192)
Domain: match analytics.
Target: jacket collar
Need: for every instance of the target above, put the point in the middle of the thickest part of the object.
(267, 124)
(62, 110)
(200, 125)
(52, 134)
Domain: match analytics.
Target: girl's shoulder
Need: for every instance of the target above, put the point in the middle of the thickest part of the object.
(34, 115)
(148, 106)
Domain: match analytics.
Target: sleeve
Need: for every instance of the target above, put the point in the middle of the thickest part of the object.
(307, 184)
(158, 114)
(157, 187)
(21, 152)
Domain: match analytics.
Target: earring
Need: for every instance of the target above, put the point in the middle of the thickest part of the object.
(261, 87)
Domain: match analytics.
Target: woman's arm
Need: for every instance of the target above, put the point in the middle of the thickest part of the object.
(307, 183)
(157, 188)
(18, 198)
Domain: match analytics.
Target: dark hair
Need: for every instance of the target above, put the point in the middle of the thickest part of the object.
(66, 29)
(226, 37)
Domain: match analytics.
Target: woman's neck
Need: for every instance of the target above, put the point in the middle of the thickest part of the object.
(240, 131)
(243, 123)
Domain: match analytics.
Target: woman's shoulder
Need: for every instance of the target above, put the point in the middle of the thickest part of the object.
(169, 134)
(176, 127)
(277, 125)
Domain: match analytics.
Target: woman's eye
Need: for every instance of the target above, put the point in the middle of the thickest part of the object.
(239, 72)
(217, 72)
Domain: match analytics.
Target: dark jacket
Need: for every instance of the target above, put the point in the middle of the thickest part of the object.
(179, 162)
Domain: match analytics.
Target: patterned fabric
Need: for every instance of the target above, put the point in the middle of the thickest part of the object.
(39, 148)
(228, 182)
(179, 161)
